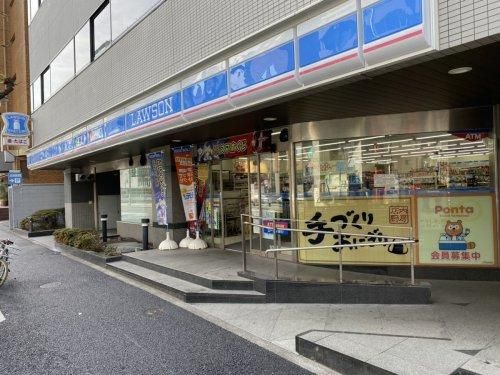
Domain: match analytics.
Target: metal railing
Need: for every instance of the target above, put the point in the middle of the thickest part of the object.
(276, 247)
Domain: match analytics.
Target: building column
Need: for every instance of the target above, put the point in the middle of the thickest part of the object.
(78, 202)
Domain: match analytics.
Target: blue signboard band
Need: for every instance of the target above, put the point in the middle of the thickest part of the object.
(329, 40)
(205, 91)
(389, 17)
(263, 67)
(316, 50)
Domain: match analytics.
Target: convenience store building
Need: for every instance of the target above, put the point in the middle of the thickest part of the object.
(373, 116)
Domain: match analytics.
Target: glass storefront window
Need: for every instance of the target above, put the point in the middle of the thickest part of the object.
(135, 195)
(395, 165)
(439, 187)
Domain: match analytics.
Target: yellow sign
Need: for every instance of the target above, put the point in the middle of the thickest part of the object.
(457, 230)
(371, 216)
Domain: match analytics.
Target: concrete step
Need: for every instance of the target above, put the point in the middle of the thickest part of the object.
(384, 354)
(185, 290)
(237, 283)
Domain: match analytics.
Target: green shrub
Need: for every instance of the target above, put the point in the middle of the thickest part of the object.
(88, 241)
(111, 251)
(83, 239)
(45, 220)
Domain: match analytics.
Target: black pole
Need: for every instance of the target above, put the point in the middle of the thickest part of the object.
(30, 224)
(104, 227)
(145, 229)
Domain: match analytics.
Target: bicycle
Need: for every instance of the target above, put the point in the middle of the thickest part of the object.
(5, 247)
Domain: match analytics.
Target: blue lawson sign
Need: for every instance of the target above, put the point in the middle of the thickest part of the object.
(157, 110)
(16, 124)
(391, 16)
(15, 177)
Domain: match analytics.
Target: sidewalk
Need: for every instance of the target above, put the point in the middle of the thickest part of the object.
(460, 330)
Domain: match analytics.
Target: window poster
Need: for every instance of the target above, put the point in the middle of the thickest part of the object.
(457, 230)
(345, 219)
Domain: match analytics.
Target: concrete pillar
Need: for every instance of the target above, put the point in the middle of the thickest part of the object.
(78, 202)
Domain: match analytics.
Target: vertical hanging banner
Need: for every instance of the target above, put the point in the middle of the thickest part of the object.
(201, 187)
(159, 184)
(183, 157)
(15, 130)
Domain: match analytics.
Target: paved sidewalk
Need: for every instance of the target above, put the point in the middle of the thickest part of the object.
(460, 329)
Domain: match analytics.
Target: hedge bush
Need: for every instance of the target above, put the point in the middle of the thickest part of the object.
(45, 220)
(80, 238)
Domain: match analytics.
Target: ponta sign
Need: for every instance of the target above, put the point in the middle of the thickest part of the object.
(457, 230)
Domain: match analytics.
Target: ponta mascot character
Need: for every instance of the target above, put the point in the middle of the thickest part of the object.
(454, 237)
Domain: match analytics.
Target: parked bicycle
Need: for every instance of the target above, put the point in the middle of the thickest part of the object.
(5, 248)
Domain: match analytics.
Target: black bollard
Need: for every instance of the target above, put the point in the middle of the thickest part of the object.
(104, 227)
(30, 224)
(145, 233)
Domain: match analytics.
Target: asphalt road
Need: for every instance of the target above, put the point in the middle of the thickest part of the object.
(62, 317)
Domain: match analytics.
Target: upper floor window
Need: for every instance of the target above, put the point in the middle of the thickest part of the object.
(100, 29)
(46, 89)
(33, 6)
(125, 12)
(37, 93)
(82, 47)
(63, 67)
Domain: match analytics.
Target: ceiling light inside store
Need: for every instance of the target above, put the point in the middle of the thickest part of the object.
(433, 136)
(275, 133)
(270, 119)
(330, 144)
(396, 141)
(461, 70)
(366, 138)
(176, 140)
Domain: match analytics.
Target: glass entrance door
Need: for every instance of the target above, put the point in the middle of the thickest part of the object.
(227, 199)
(256, 185)
(270, 199)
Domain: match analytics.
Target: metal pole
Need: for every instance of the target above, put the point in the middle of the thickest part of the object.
(30, 224)
(276, 253)
(260, 201)
(412, 260)
(104, 227)
(145, 233)
(243, 245)
(340, 255)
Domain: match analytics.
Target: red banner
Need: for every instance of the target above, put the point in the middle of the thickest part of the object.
(183, 157)
(232, 147)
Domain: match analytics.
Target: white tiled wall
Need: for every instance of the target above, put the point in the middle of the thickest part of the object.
(464, 21)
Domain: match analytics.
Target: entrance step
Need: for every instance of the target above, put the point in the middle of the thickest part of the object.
(383, 354)
(148, 260)
(185, 290)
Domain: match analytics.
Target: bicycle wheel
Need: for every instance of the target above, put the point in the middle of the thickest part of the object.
(4, 271)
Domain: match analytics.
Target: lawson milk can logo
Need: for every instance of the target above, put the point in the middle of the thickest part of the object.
(15, 124)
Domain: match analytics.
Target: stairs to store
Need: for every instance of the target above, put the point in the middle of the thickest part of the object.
(188, 287)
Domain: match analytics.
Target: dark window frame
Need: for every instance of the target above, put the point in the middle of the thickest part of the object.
(92, 34)
(43, 99)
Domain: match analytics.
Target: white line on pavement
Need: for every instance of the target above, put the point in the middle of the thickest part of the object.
(2, 318)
